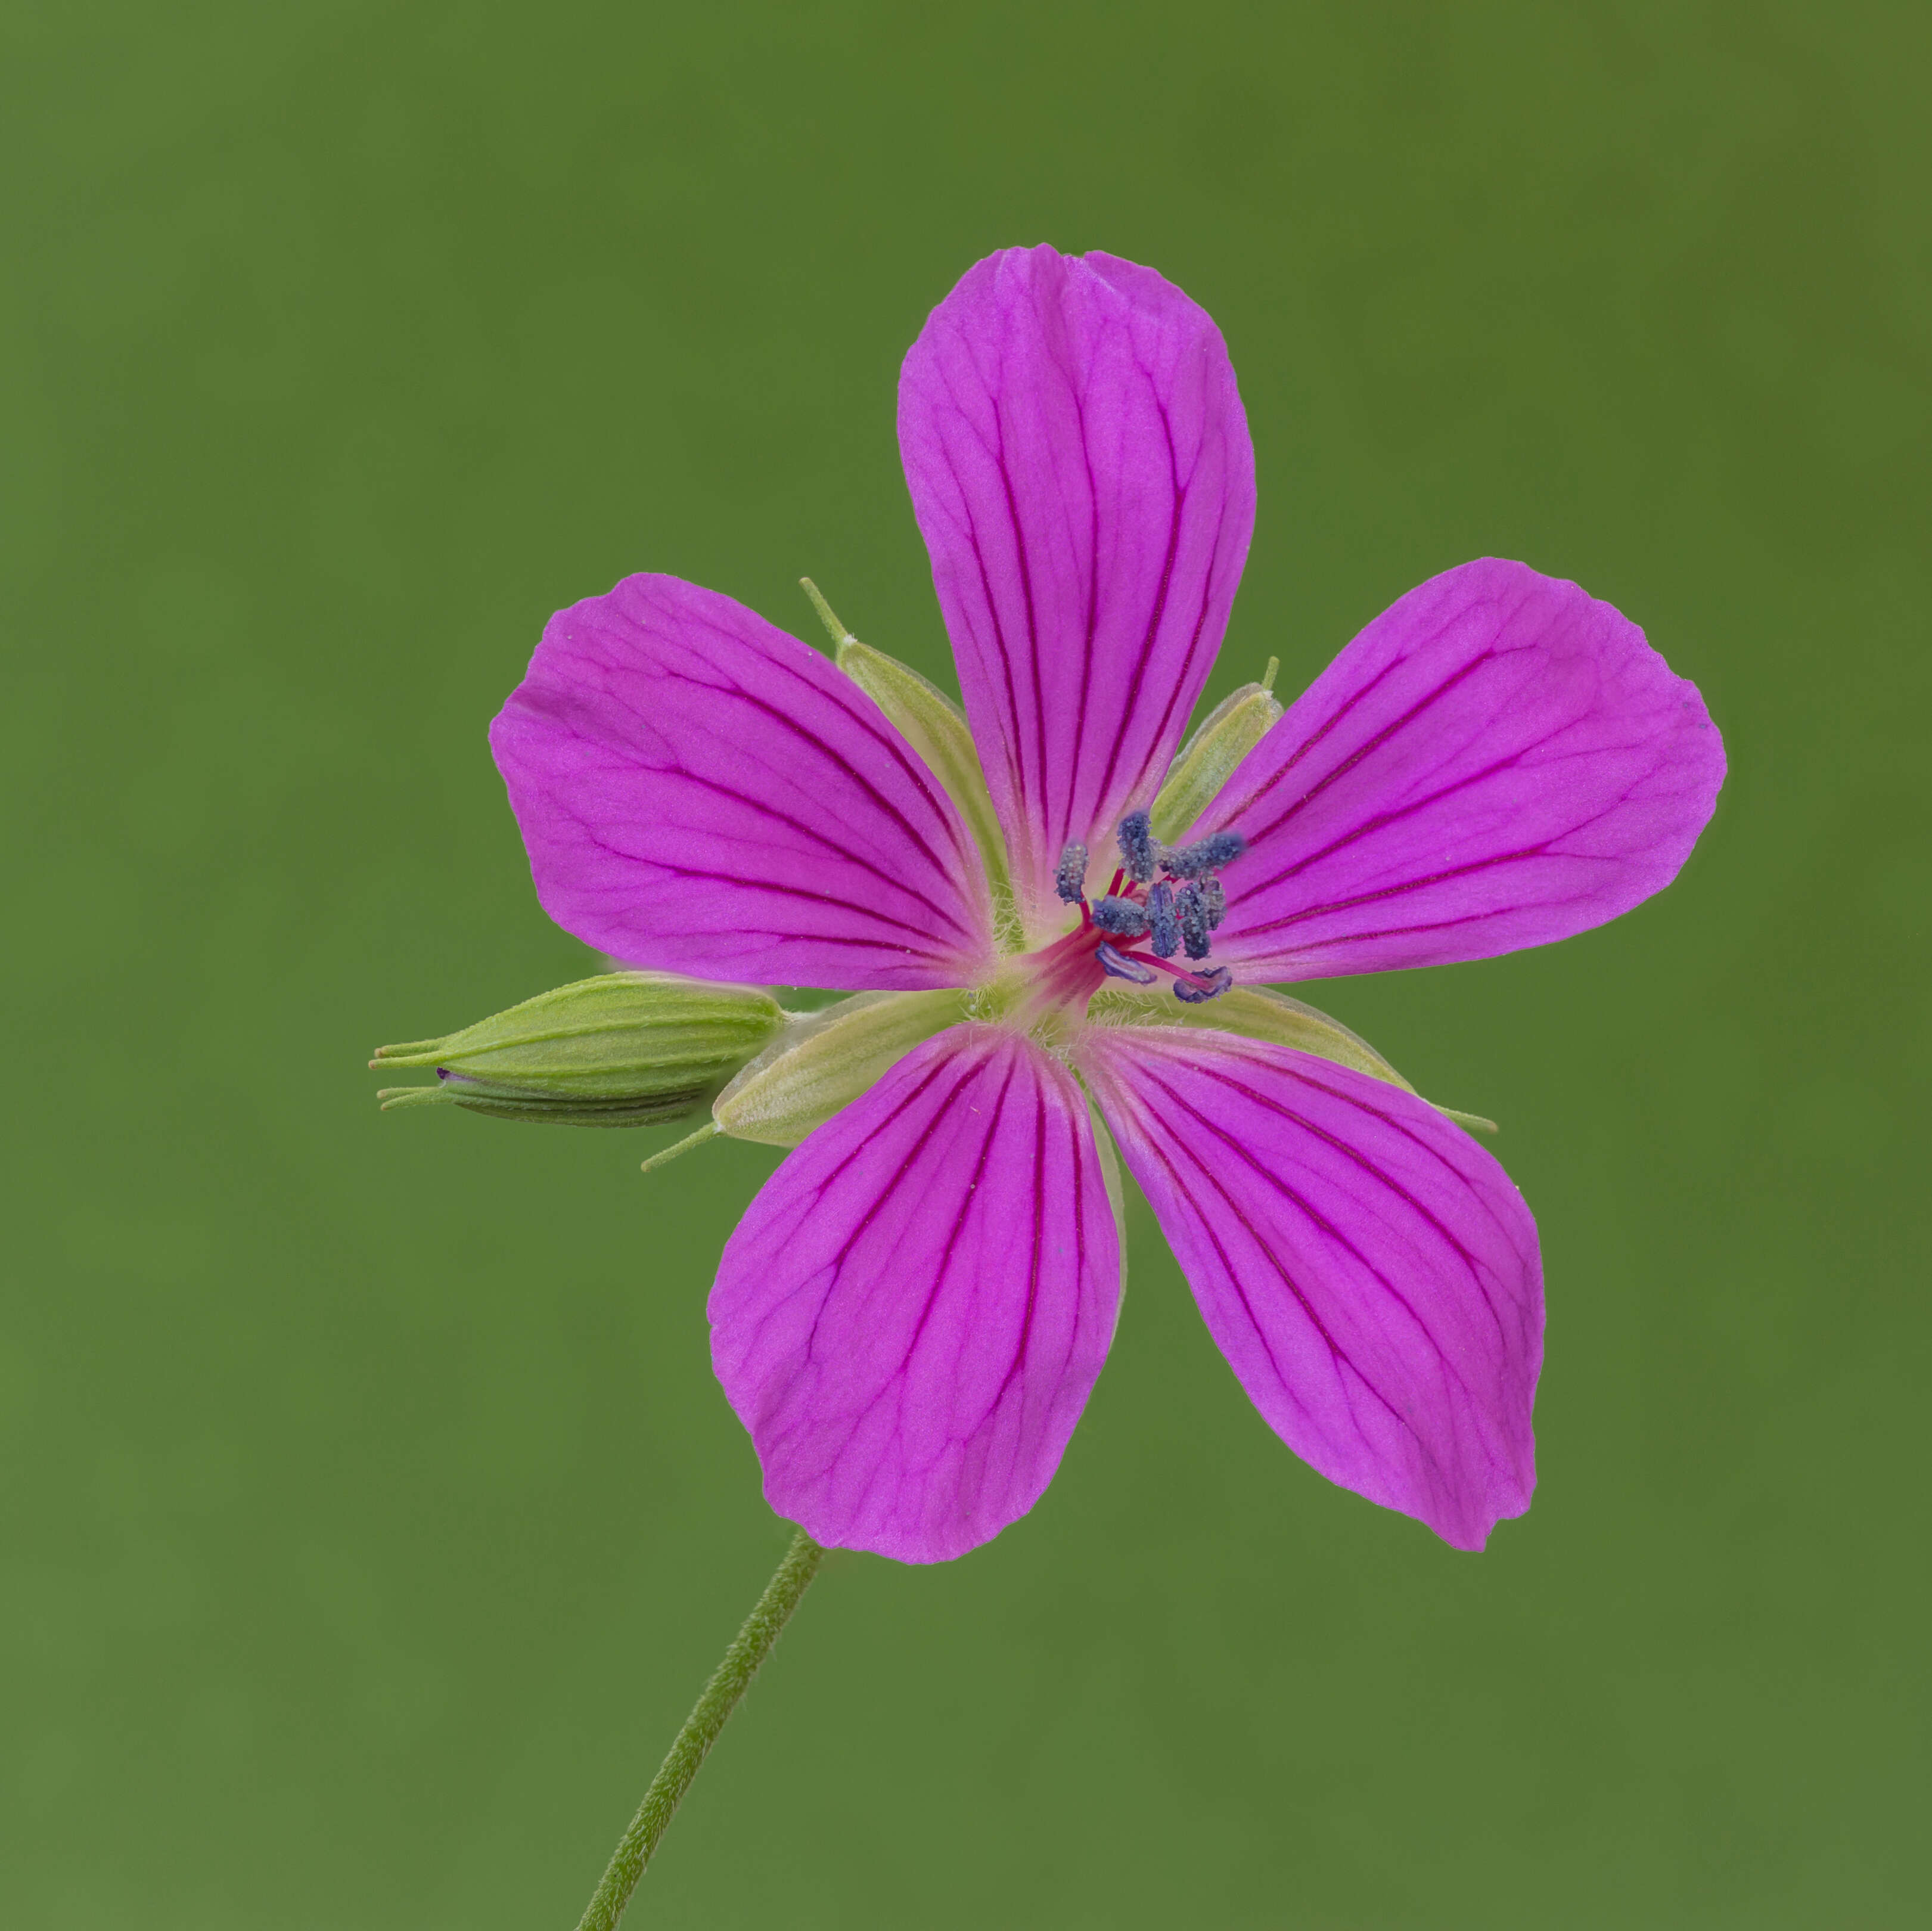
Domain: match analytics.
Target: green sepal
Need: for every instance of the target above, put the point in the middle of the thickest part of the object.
(624, 1048)
(1117, 1192)
(823, 1062)
(1206, 761)
(1254, 1012)
(1259, 1012)
(936, 727)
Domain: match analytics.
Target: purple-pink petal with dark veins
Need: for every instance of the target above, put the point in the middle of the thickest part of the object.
(909, 1316)
(1369, 1271)
(700, 793)
(1080, 466)
(1498, 760)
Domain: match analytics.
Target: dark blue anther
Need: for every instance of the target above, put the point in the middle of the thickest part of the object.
(1192, 913)
(1137, 847)
(1161, 921)
(1217, 979)
(1214, 896)
(1118, 966)
(1121, 917)
(1070, 881)
(1204, 854)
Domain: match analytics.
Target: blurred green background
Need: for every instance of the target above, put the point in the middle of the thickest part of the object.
(371, 1516)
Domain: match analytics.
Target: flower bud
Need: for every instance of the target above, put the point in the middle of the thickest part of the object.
(623, 1049)
(1206, 761)
(823, 1062)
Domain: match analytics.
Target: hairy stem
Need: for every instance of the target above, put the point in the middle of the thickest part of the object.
(729, 1682)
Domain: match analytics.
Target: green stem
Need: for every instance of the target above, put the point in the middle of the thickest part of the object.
(731, 1680)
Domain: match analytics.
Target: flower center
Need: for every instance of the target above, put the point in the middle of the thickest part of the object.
(1163, 899)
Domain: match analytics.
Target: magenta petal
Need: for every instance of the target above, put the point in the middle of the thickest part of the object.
(1498, 760)
(910, 1316)
(1080, 465)
(1370, 1272)
(700, 793)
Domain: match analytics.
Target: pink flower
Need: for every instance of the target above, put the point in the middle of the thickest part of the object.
(912, 1314)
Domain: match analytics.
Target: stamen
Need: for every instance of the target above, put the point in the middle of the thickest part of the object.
(1204, 854)
(1193, 916)
(1174, 901)
(1118, 966)
(1121, 917)
(1161, 921)
(1136, 843)
(1217, 979)
(1070, 880)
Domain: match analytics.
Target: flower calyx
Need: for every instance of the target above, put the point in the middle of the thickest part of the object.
(1208, 760)
(935, 727)
(823, 1060)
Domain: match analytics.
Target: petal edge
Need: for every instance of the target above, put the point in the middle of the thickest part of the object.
(1370, 1273)
(700, 793)
(911, 1314)
(1498, 760)
(1080, 466)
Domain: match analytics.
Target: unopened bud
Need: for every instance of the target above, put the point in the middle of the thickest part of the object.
(823, 1063)
(1208, 760)
(624, 1049)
